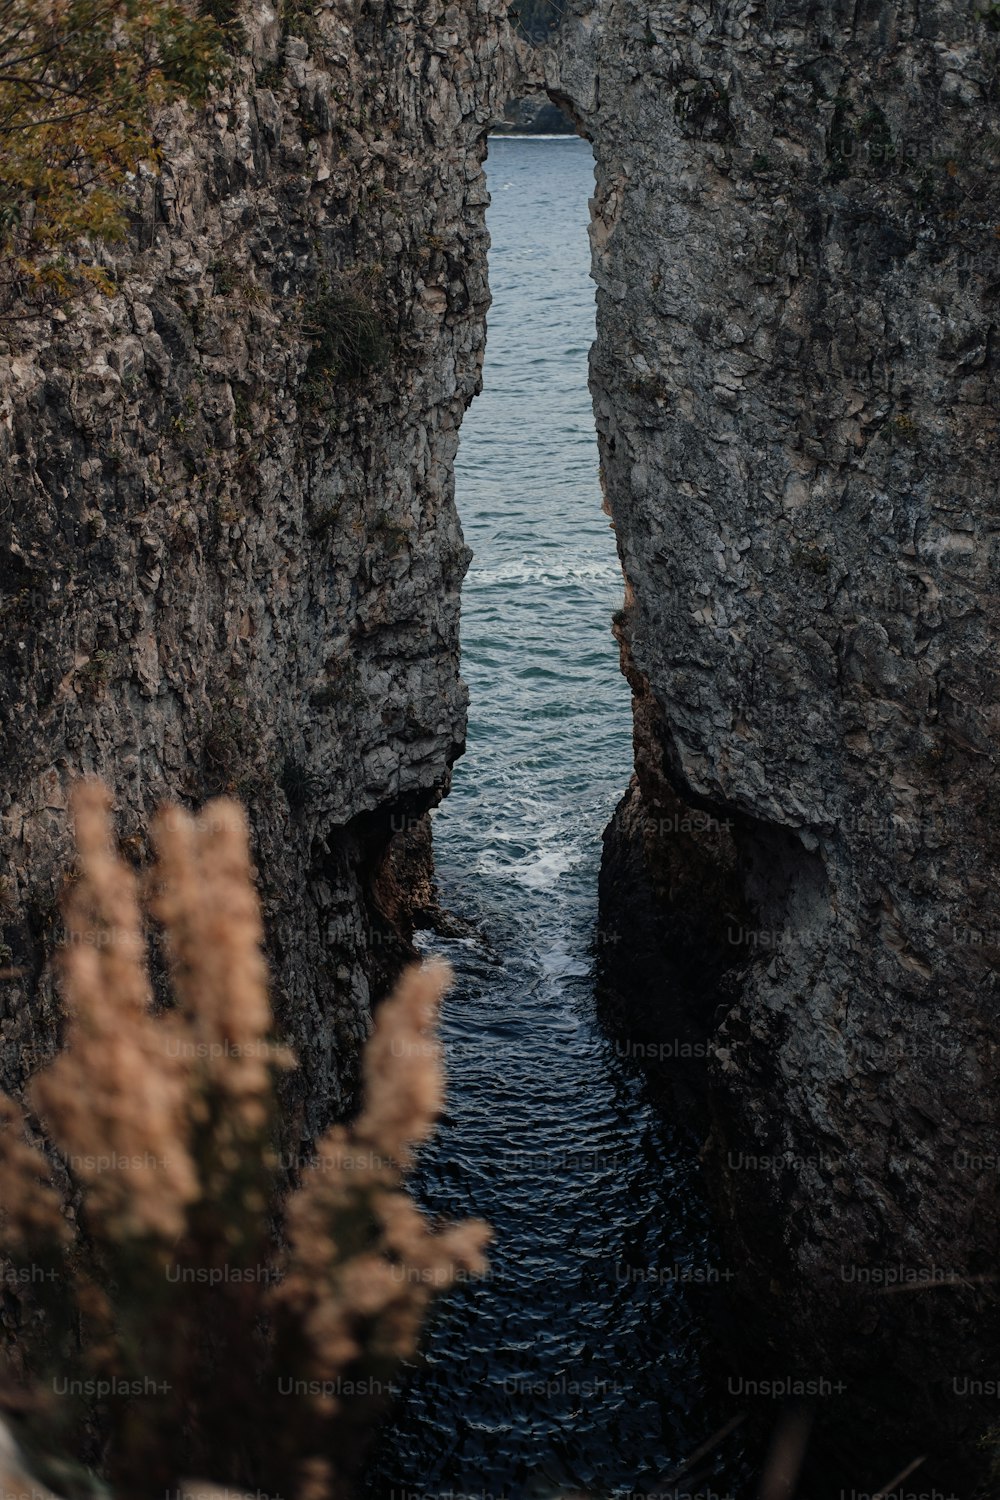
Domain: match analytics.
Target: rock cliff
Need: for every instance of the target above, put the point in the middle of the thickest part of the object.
(229, 552)
(230, 558)
(796, 237)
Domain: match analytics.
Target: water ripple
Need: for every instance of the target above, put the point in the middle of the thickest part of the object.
(578, 1361)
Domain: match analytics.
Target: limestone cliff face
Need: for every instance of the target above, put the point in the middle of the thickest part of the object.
(796, 246)
(225, 568)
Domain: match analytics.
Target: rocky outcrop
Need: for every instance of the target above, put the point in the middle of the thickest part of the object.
(229, 553)
(534, 115)
(796, 247)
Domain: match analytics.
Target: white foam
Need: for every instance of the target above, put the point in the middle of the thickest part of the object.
(528, 571)
(546, 870)
(541, 870)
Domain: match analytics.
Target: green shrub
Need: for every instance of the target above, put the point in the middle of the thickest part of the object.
(347, 336)
(226, 15)
(223, 12)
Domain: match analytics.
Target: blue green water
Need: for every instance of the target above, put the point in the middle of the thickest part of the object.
(578, 1361)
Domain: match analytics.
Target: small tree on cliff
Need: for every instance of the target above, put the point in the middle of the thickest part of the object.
(79, 82)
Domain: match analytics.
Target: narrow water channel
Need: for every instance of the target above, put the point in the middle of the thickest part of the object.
(578, 1362)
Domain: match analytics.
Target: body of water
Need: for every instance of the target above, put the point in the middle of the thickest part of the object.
(577, 1362)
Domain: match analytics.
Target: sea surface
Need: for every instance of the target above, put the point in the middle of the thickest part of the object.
(577, 1363)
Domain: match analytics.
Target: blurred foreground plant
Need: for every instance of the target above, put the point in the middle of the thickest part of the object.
(186, 1306)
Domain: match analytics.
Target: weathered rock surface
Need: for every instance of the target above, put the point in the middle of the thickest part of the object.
(796, 245)
(221, 569)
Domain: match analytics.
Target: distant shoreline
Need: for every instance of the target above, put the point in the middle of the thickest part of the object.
(519, 133)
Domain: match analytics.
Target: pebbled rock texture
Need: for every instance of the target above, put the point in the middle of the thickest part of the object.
(223, 568)
(796, 238)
